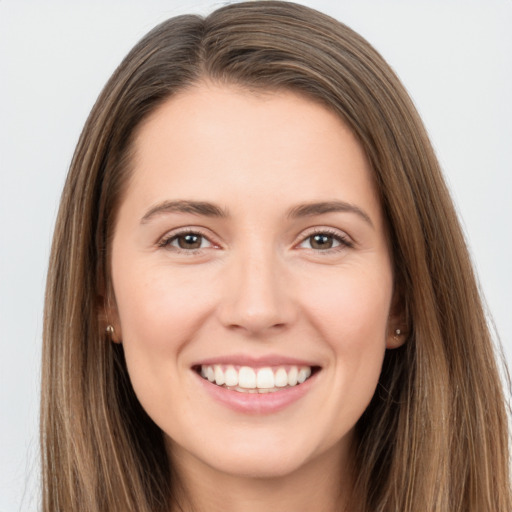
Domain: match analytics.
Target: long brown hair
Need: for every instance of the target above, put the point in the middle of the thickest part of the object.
(434, 437)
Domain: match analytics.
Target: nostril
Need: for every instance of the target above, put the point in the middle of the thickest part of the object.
(256, 302)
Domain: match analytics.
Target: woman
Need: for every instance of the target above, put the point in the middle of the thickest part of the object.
(259, 295)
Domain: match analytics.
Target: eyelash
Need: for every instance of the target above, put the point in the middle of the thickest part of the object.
(344, 241)
(167, 240)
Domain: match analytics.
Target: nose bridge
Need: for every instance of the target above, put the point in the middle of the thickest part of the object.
(256, 296)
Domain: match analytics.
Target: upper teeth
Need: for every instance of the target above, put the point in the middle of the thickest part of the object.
(265, 378)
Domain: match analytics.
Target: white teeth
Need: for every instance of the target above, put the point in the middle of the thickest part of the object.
(250, 380)
(247, 378)
(281, 378)
(292, 376)
(304, 373)
(265, 378)
(230, 376)
(219, 375)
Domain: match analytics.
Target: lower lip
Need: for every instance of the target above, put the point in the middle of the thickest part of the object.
(257, 403)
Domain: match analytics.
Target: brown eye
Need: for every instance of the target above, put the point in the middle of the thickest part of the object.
(321, 241)
(186, 241)
(189, 241)
(324, 241)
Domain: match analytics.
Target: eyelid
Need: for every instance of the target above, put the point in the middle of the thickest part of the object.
(164, 241)
(344, 239)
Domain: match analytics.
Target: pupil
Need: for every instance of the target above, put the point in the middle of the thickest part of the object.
(190, 241)
(322, 242)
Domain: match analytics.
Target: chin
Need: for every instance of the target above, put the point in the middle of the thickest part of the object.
(278, 456)
(259, 466)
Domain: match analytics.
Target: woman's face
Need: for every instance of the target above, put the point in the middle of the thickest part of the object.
(250, 250)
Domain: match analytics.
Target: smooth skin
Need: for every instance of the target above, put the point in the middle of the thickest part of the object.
(215, 254)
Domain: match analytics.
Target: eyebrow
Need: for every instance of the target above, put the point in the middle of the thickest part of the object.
(312, 209)
(182, 206)
(207, 209)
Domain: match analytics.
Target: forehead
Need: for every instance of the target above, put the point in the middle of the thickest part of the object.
(222, 143)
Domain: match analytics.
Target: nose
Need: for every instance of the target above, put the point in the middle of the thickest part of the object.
(257, 295)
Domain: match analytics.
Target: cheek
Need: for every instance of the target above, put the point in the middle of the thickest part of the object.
(159, 313)
(157, 306)
(352, 317)
(353, 309)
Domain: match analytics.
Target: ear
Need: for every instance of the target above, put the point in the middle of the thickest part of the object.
(397, 328)
(108, 319)
(395, 337)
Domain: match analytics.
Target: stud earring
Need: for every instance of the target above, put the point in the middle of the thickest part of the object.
(397, 334)
(109, 330)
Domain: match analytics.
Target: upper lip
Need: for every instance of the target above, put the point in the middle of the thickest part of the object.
(255, 362)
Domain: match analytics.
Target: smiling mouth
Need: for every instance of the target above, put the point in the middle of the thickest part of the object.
(245, 379)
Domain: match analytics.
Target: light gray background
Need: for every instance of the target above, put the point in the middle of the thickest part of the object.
(453, 56)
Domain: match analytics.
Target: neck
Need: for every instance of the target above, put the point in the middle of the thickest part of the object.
(322, 485)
